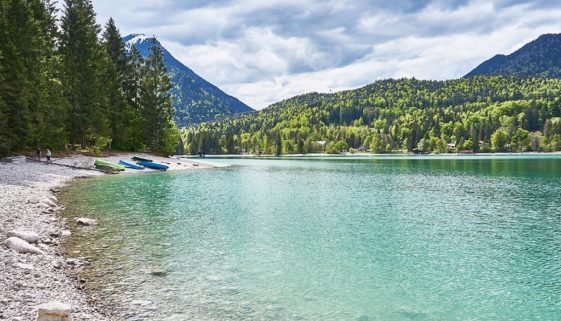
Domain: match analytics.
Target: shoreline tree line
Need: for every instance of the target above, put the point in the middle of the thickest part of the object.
(67, 84)
(480, 114)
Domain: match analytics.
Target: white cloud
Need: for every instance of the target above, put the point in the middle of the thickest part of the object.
(266, 51)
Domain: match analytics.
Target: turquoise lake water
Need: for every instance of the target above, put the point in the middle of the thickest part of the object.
(369, 238)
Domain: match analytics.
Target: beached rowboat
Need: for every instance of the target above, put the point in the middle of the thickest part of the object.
(130, 165)
(140, 159)
(106, 165)
(154, 165)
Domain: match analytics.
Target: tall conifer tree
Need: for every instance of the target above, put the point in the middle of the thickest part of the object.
(159, 131)
(84, 66)
(4, 142)
(53, 108)
(4, 134)
(21, 62)
(115, 80)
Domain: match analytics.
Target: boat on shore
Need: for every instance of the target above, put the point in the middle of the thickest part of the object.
(108, 166)
(153, 165)
(141, 159)
(130, 165)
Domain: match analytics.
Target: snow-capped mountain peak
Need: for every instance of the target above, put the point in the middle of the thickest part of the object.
(135, 39)
(195, 99)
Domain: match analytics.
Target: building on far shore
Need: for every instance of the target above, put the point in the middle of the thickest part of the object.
(321, 143)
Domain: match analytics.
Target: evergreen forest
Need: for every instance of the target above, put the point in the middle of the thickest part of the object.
(69, 84)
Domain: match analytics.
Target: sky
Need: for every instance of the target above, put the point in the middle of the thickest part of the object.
(264, 51)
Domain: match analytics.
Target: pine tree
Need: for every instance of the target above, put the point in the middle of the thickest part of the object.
(133, 77)
(159, 131)
(53, 107)
(115, 76)
(4, 134)
(4, 142)
(20, 61)
(84, 62)
(131, 88)
(60, 86)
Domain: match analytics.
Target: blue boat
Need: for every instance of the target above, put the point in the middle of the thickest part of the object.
(130, 165)
(153, 165)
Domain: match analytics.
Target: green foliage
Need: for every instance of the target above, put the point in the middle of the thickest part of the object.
(481, 113)
(84, 61)
(336, 147)
(99, 143)
(66, 87)
(156, 109)
(114, 79)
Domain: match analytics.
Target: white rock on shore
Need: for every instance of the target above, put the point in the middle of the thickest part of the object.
(21, 246)
(54, 311)
(30, 237)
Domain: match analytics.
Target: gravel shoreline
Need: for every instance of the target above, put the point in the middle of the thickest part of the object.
(28, 203)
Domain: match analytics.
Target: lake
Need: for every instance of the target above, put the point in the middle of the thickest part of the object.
(327, 238)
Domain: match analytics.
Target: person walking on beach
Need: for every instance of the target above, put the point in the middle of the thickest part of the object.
(48, 155)
(38, 152)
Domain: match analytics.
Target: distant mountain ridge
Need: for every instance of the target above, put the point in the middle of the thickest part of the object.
(539, 58)
(195, 99)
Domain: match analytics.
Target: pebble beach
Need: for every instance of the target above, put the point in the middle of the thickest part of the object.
(28, 194)
(40, 274)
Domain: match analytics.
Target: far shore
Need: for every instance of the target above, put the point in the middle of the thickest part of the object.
(365, 154)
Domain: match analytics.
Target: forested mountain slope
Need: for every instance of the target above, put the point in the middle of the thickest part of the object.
(480, 113)
(541, 57)
(194, 99)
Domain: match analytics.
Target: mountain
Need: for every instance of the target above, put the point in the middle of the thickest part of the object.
(195, 99)
(541, 57)
(483, 113)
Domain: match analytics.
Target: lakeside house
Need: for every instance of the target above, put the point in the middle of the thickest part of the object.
(321, 143)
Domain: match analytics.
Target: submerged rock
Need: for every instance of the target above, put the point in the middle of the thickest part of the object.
(22, 246)
(54, 311)
(159, 272)
(86, 221)
(27, 236)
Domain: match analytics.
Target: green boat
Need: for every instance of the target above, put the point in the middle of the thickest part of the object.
(105, 165)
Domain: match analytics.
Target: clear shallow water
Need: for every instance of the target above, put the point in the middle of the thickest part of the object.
(387, 238)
